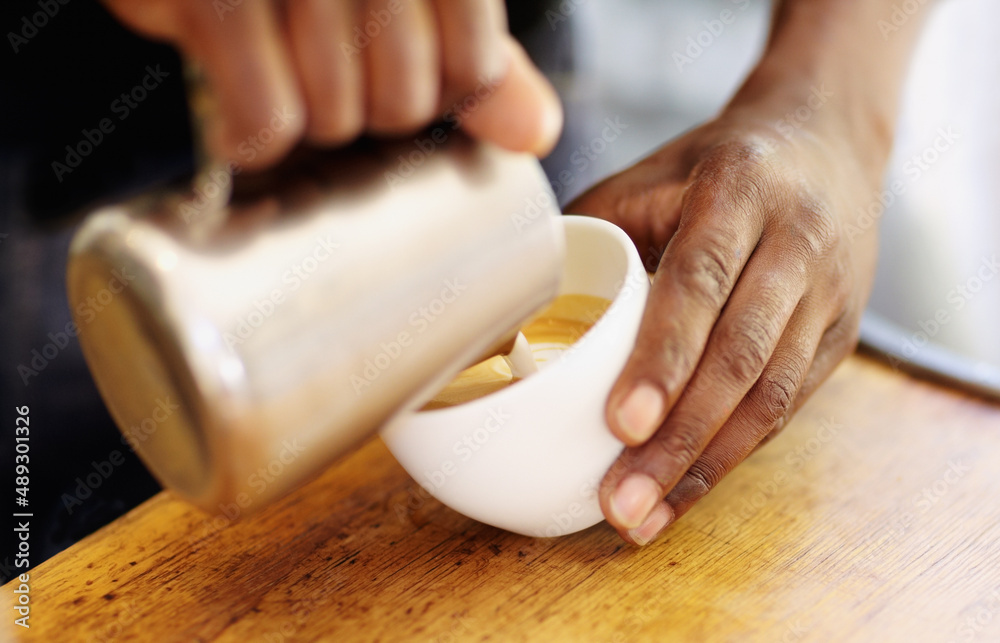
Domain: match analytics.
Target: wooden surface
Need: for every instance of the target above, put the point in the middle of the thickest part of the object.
(852, 532)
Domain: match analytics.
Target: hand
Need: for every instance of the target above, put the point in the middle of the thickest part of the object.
(763, 220)
(757, 297)
(344, 67)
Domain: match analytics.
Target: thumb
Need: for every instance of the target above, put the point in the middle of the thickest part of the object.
(522, 113)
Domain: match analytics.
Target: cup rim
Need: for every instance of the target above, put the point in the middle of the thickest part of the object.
(510, 394)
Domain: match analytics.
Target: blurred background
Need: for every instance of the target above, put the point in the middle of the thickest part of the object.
(608, 59)
(62, 80)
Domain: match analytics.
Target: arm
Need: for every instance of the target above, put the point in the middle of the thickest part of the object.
(764, 270)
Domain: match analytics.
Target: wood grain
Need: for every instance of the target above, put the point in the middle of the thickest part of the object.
(847, 527)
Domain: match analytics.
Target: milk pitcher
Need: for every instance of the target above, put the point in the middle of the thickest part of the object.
(248, 330)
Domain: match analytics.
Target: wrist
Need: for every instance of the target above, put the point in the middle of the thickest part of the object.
(818, 104)
(830, 71)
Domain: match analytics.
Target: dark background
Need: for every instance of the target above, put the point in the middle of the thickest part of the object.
(63, 80)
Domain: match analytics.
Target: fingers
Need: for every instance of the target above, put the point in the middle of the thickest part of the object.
(334, 69)
(473, 49)
(330, 68)
(260, 111)
(403, 60)
(740, 347)
(718, 232)
(522, 113)
(780, 390)
(775, 396)
(745, 431)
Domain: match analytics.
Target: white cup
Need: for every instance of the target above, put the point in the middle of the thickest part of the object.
(529, 458)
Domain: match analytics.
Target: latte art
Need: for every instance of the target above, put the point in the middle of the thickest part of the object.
(549, 334)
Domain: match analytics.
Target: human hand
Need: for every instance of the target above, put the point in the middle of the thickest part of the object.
(344, 67)
(757, 297)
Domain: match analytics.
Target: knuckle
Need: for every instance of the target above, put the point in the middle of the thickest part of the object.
(707, 274)
(757, 190)
(744, 173)
(673, 363)
(748, 345)
(730, 160)
(790, 382)
(705, 474)
(748, 360)
(697, 482)
(814, 230)
(775, 394)
(682, 446)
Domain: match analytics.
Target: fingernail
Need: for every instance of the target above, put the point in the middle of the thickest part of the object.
(658, 520)
(639, 413)
(634, 498)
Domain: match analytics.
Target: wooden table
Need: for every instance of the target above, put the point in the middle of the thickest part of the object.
(873, 517)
